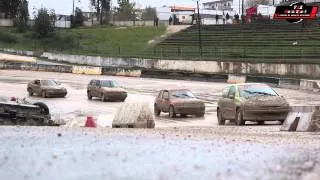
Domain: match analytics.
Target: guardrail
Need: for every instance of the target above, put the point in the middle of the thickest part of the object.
(290, 83)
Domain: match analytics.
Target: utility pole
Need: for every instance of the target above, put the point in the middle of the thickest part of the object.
(242, 7)
(73, 8)
(199, 30)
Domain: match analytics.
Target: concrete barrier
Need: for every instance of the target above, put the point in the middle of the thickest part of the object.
(134, 115)
(118, 71)
(234, 79)
(303, 119)
(289, 83)
(86, 70)
(12, 58)
(310, 85)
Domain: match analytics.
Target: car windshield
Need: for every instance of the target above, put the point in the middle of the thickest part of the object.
(182, 94)
(256, 90)
(112, 84)
(49, 83)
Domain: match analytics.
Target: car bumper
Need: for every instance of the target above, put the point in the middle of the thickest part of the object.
(117, 96)
(56, 94)
(265, 115)
(189, 110)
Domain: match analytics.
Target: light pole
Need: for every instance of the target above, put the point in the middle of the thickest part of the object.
(73, 7)
(199, 30)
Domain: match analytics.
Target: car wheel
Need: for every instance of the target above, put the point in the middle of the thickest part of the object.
(30, 92)
(172, 113)
(183, 115)
(157, 111)
(43, 108)
(239, 118)
(104, 98)
(44, 94)
(89, 95)
(221, 120)
(200, 115)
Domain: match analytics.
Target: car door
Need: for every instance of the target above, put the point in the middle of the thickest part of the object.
(222, 103)
(230, 104)
(165, 101)
(36, 87)
(158, 100)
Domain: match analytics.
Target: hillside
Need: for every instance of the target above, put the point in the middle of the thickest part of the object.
(105, 41)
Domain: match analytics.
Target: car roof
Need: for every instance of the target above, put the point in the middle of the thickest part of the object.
(175, 89)
(243, 84)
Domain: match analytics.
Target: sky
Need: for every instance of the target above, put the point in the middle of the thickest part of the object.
(65, 6)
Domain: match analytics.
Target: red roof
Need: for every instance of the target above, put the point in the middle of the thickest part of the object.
(180, 8)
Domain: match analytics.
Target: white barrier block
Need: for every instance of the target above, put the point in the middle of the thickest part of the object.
(134, 115)
(90, 70)
(234, 79)
(302, 119)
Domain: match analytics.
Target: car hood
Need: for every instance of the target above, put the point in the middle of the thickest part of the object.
(53, 87)
(265, 101)
(187, 101)
(113, 89)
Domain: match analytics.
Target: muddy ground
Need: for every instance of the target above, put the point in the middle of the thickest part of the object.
(183, 148)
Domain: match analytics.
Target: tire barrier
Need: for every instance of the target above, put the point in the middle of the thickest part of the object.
(89, 70)
(303, 119)
(134, 115)
(16, 58)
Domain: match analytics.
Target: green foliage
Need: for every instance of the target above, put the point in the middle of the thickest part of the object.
(78, 19)
(149, 13)
(44, 23)
(102, 8)
(9, 7)
(6, 37)
(126, 11)
(22, 17)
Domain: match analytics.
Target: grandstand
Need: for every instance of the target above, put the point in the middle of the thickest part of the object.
(267, 41)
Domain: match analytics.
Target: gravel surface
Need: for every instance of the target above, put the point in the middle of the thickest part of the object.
(64, 153)
(182, 148)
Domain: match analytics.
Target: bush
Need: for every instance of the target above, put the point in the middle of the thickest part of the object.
(8, 37)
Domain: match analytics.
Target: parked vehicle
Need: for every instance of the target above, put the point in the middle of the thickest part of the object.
(46, 88)
(255, 102)
(178, 101)
(107, 90)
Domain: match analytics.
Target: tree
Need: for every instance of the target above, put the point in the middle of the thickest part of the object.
(44, 23)
(253, 3)
(78, 19)
(102, 8)
(22, 16)
(149, 13)
(126, 10)
(9, 8)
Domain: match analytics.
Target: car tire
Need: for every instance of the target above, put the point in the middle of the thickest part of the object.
(221, 120)
(157, 111)
(30, 92)
(172, 113)
(200, 115)
(89, 95)
(183, 115)
(44, 94)
(104, 98)
(239, 118)
(43, 107)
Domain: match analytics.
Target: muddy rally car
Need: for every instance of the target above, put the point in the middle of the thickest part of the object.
(46, 88)
(254, 102)
(178, 101)
(15, 111)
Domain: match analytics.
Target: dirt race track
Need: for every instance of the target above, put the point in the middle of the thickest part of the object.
(196, 147)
